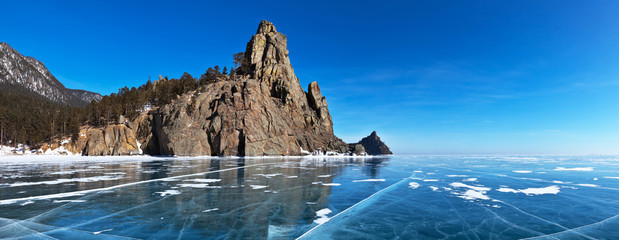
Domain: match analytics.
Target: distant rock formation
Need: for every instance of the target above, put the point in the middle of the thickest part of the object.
(356, 148)
(374, 146)
(19, 72)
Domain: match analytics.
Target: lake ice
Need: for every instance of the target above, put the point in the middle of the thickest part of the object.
(405, 197)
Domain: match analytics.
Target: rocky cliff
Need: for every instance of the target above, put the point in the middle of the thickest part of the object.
(263, 111)
(373, 145)
(110, 140)
(21, 72)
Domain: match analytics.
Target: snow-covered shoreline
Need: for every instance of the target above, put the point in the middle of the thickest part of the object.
(34, 158)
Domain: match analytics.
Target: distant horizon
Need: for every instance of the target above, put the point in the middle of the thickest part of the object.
(508, 77)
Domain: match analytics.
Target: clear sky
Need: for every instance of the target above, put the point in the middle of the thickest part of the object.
(523, 77)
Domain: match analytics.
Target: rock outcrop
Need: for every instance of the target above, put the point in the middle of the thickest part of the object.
(111, 140)
(264, 111)
(356, 148)
(374, 146)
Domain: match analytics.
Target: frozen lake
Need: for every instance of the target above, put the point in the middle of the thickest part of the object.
(405, 197)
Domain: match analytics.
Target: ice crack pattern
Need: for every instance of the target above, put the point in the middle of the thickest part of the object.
(406, 197)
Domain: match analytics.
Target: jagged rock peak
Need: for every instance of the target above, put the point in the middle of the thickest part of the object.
(266, 27)
(374, 146)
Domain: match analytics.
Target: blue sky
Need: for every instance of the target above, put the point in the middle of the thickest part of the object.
(514, 77)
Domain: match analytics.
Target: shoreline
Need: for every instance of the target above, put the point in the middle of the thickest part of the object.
(34, 158)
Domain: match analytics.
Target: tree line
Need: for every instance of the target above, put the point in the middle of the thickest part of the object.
(31, 119)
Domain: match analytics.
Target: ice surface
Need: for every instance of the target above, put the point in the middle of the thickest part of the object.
(473, 197)
(370, 180)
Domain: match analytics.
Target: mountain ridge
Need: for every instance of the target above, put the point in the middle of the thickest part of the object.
(19, 71)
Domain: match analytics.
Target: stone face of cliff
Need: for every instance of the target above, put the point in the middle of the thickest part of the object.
(110, 140)
(374, 146)
(265, 112)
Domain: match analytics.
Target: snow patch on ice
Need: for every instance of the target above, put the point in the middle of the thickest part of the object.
(522, 171)
(582, 169)
(473, 193)
(430, 180)
(66, 180)
(197, 185)
(257, 186)
(322, 216)
(69, 201)
(413, 185)
(331, 184)
(470, 180)
(210, 210)
(587, 185)
(204, 180)
(532, 191)
(507, 190)
(99, 232)
(459, 184)
(169, 192)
